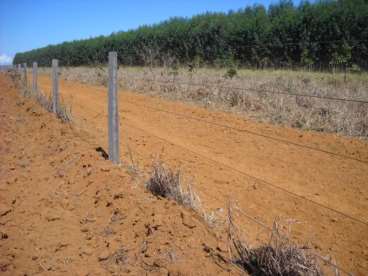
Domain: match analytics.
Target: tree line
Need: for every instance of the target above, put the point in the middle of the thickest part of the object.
(322, 34)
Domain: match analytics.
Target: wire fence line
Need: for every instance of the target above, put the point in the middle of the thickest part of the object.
(246, 174)
(259, 180)
(264, 182)
(259, 91)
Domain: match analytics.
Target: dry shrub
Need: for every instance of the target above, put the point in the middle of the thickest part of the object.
(170, 184)
(280, 256)
(167, 183)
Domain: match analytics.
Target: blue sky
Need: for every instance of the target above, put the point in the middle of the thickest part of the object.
(29, 24)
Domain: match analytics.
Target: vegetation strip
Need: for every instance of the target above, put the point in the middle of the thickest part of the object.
(267, 91)
(318, 35)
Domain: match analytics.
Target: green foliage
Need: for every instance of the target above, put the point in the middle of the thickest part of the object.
(230, 73)
(322, 34)
(355, 69)
(342, 56)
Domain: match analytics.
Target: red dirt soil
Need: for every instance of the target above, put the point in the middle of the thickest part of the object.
(64, 210)
(325, 193)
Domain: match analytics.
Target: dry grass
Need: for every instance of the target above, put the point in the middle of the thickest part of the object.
(63, 112)
(170, 184)
(167, 183)
(280, 256)
(215, 89)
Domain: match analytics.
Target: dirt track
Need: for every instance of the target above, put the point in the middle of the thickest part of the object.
(226, 162)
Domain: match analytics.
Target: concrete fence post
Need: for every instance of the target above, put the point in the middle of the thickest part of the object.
(34, 76)
(114, 150)
(55, 85)
(25, 74)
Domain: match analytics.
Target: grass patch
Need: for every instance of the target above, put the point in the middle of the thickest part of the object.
(169, 184)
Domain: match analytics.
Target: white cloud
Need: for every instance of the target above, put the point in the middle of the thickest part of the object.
(5, 59)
